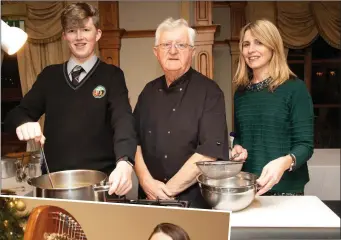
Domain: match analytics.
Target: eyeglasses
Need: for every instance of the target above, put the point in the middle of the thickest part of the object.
(179, 46)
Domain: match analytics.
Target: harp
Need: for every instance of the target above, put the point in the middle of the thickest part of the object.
(52, 223)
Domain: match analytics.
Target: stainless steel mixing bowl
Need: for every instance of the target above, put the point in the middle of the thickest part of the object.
(220, 169)
(231, 194)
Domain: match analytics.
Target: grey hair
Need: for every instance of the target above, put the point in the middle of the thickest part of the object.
(170, 24)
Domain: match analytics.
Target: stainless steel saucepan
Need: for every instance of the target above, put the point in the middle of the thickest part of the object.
(89, 185)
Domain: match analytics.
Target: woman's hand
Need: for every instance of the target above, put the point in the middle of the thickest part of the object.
(239, 152)
(272, 173)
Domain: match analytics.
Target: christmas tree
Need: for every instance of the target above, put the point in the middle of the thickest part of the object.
(13, 218)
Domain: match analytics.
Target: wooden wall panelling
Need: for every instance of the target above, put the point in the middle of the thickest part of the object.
(203, 59)
(110, 42)
(203, 13)
(220, 4)
(139, 34)
(237, 21)
(237, 18)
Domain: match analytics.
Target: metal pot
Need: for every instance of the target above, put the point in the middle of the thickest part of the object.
(30, 169)
(8, 167)
(89, 185)
(21, 165)
(231, 194)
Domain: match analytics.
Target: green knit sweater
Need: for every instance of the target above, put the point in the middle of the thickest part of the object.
(273, 124)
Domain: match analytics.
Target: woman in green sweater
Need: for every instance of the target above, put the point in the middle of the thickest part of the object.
(273, 113)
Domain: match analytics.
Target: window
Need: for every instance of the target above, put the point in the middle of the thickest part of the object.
(318, 66)
(10, 97)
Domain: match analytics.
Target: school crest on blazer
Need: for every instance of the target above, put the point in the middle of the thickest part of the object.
(99, 91)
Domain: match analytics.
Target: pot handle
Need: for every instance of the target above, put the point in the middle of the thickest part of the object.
(102, 188)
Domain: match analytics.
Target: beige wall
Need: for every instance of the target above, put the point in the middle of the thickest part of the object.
(146, 15)
(130, 222)
(139, 65)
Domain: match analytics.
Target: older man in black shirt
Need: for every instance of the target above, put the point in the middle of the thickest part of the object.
(180, 120)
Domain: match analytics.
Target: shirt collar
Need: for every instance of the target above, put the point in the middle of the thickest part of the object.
(178, 81)
(87, 65)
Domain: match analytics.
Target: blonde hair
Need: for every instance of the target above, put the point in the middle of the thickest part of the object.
(170, 24)
(267, 33)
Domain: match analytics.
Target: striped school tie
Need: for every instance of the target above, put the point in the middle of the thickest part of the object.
(76, 72)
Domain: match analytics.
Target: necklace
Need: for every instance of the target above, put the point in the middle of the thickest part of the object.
(256, 87)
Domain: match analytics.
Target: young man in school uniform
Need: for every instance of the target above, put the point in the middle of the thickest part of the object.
(88, 119)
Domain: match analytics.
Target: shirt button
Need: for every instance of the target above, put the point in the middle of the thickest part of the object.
(149, 131)
(169, 132)
(160, 90)
(173, 109)
(180, 89)
(166, 156)
(165, 179)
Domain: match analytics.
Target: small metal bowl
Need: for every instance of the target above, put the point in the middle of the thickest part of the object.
(220, 169)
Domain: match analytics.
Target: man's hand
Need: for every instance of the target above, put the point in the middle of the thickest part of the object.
(237, 149)
(272, 173)
(30, 130)
(120, 179)
(155, 189)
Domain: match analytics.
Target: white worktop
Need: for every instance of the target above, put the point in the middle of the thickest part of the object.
(286, 211)
(20, 188)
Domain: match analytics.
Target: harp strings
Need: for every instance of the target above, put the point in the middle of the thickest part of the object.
(64, 228)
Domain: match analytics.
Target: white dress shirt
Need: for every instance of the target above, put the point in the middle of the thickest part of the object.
(87, 66)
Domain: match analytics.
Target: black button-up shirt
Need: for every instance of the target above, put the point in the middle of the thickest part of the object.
(177, 121)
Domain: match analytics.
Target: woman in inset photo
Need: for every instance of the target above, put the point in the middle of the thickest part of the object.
(168, 231)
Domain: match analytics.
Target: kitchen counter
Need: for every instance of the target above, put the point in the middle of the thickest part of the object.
(288, 217)
(20, 189)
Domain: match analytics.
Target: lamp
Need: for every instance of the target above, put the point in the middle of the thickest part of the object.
(12, 38)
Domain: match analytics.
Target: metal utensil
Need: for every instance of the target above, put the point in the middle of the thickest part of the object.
(220, 169)
(231, 194)
(45, 162)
